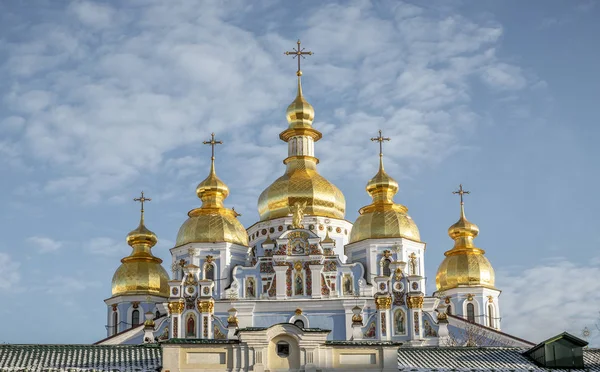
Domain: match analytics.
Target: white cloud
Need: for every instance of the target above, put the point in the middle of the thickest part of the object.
(44, 244)
(9, 274)
(140, 102)
(63, 285)
(553, 297)
(104, 246)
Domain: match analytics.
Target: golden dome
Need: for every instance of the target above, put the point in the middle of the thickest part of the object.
(300, 113)
(141, 272)
(464, 264)
(383, 218)
(301, 181)
(212, 222)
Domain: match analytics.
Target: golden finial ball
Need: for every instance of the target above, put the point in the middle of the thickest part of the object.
(299, 73)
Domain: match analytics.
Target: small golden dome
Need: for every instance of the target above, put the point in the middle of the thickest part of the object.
(141, 272)
(300, 113)
(464, 264)
(383, 218)
(212, 222)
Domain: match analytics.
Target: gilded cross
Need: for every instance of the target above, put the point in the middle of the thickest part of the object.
(298, 53)
(461, 192)
(212, 144)
(380, 139)
(142, 199)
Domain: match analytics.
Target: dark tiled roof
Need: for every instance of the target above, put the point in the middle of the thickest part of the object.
(198, 341)
(363, 343)
(477, 359)
(123, 358)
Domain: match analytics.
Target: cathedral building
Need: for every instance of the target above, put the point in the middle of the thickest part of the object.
(303, 288)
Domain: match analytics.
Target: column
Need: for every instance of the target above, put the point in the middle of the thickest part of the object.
(206, 308)
(383, 303)
(280, 274)
(415, 309)
(316, 280)
(175, 309)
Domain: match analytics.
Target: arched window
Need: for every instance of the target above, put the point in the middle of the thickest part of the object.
(299, 323)
(157, 314)
(491, 316)
(190, 327)
(135, 318)
(386, 268)
(115, 323)
(209, 272)
(471, 313)
(449, 310)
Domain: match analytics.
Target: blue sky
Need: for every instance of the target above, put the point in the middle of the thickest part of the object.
(99, 101)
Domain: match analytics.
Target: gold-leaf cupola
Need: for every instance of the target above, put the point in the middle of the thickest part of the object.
(141, 272)
(383, 218)
(301, 182)
(465, 265)
(212, 222)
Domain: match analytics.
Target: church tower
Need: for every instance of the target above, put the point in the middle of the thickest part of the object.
(386, 241)
(465, 279)
(140, 284)
(209, 244)
(322, 204)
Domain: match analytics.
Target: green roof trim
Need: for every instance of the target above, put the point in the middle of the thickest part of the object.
(198, 341)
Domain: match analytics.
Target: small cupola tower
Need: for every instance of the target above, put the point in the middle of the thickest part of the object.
(465, 279)
(140, 284)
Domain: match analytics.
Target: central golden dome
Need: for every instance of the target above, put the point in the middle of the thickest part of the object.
(141, 273)
(301, 181)
(383, 218)
(212, 222)
(464, 264)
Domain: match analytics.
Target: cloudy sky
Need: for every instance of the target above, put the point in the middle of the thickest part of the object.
(99, 101)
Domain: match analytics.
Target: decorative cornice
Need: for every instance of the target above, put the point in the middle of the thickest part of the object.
(176, 307)
(415, 302)
(383, 303)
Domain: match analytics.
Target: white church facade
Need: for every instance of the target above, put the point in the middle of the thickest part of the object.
(302, 289)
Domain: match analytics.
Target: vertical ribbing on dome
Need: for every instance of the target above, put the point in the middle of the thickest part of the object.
(382, 187)
(212, 191)
(463, 231)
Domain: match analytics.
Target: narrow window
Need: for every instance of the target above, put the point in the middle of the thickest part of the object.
(115, 323)
(135, 318)
(190, 330)
(449, 310)
(299, 323)
(386, 268)
(471, 313)
(157, 314)
(210, 272)
(491, 316)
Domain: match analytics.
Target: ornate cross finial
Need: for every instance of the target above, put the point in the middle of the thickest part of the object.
(142, 199)
(380, 139)
(212, 144)
(461, 192)
(298, 53)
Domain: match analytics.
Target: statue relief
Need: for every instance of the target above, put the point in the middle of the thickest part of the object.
(298, 214)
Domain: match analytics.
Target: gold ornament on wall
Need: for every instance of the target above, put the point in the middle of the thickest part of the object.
(469, 297)
(298, 311)
(415, 302)
(176, 307)
(206, 306)
(383, 303)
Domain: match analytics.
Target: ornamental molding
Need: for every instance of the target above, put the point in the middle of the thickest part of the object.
(206, 306)
(415, 302)
(383, 303)
(176, 307)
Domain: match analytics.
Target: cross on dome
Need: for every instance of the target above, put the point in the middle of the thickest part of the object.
(461, 192)
(142, 199)
(380, 139)
(212, 144)
(298, 53)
